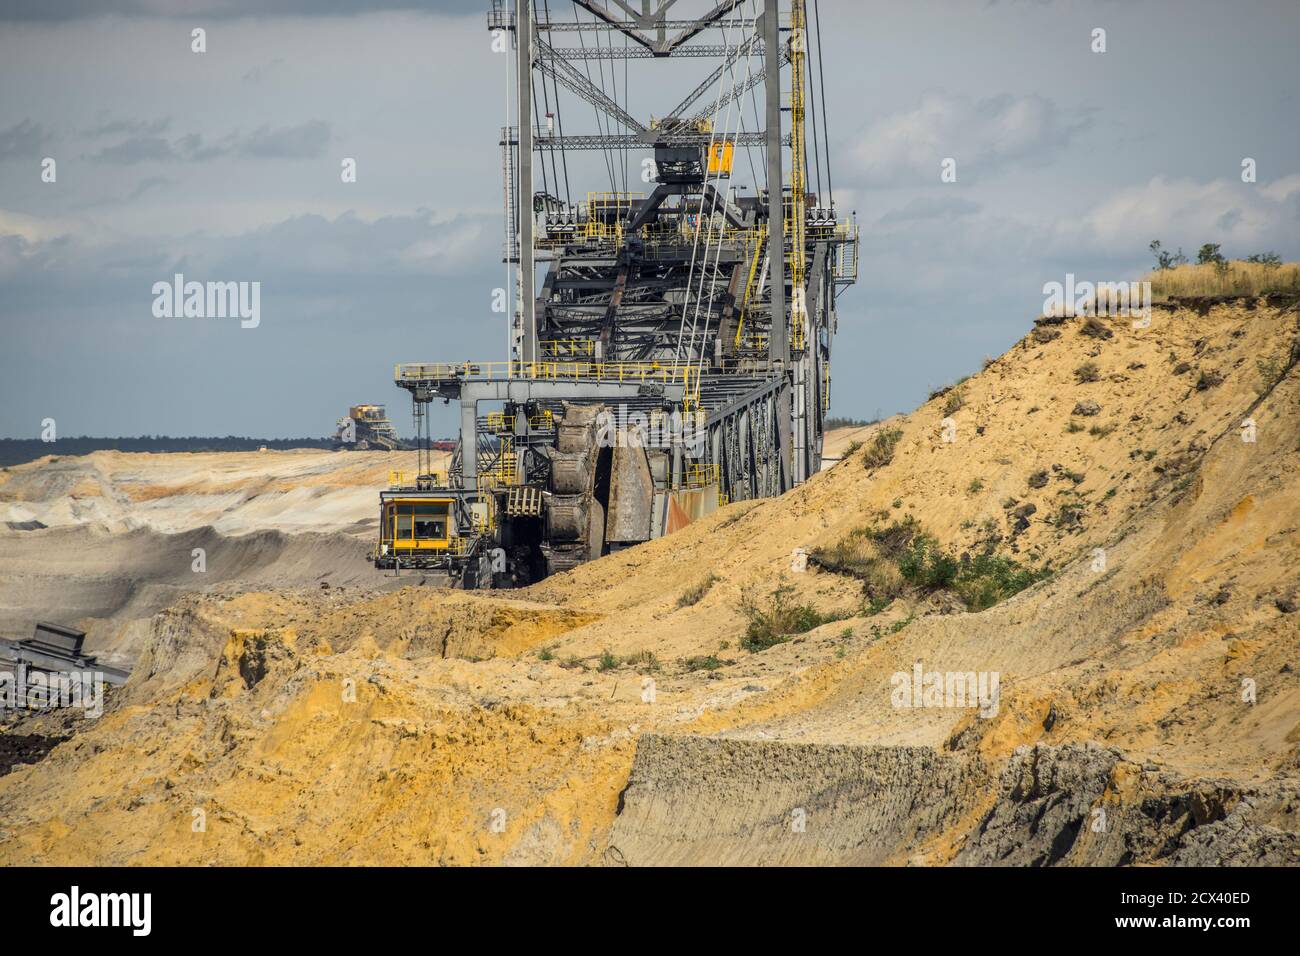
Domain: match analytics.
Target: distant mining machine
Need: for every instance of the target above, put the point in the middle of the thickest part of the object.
(676, 354)
(366, 428)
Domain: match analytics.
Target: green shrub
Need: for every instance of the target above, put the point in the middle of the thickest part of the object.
(607, 661)
(707, 662)
(889, 560)
(989, 579)
(1270, 371)
(925, 566)
(643, 661)
(777, 619)
(1210, 254)
(881, 450)
(858, 555)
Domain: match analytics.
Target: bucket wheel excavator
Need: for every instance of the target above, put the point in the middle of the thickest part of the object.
(675, 355)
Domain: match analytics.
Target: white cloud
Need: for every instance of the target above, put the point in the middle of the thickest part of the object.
(1243, 217)
(982, 135)
(417, 243)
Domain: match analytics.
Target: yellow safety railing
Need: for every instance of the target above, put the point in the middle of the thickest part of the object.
(500, 422)
(501, 470)
(407, 479)
(760, 243)
(846, 252)
(565, 348)
(614, 207)
(666, 372)
(700, 476)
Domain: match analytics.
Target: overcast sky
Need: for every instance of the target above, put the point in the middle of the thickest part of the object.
(225, 165)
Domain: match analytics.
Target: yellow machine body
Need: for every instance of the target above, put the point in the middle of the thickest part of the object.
(721, 156)
(415, 525)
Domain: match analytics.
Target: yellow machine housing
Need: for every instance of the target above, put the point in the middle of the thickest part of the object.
(721, 156)
(415, 527)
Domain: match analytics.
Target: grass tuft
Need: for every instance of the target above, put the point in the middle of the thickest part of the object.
(881, 450)
(694, 594)
(1235, 278)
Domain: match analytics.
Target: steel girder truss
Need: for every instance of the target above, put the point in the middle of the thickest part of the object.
(658, 297)
(744, 440)
(639, 24)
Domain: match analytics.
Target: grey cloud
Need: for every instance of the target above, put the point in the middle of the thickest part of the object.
(137, 149)
(931, 207)
(53, 10)
(150, 182)
(122, 127)
(305, 141)
(22, 140)
(258, 73)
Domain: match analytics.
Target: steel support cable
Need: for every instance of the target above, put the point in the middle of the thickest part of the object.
(695, 245)
(706, 272)
(553, 62)
(511, 238)
(545, 185)
(758, 127)
(621, 170)
(817, 156)
(609, 161)
(703, 341)
(627, 102)
(721, 234)
(749, 149)
(600, 69)
(546, 102)
(559, 124)
(826, 132)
